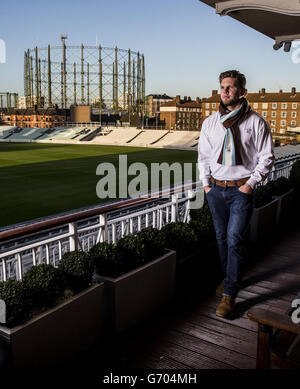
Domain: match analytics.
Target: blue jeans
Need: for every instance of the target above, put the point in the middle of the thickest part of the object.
(231, 211)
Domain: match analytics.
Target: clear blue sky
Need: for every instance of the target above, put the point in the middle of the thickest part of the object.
(186, 45)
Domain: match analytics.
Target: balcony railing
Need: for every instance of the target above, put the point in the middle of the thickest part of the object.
(46, 241)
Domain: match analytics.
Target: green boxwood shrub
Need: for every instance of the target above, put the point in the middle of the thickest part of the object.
(180, 237)
(131, 251)
(44, 284)
(78, 269)
(263, 195)
(106, 259)
(13, 293)
(280, 186)
(153, 241)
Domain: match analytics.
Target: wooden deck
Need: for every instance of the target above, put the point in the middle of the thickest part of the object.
(188, 334)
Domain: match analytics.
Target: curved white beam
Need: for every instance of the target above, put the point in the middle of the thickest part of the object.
(285, 7)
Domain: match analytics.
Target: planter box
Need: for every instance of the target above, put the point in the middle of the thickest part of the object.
(285, 205)
(59, 334)
(263, 221)
(135, 295)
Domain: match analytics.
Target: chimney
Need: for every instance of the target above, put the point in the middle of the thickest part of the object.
(198, 100)
(263, 92)
(185, 98)
(177, 99)
(280, 91)
(214, 92)
(189, 98)
(293, 91)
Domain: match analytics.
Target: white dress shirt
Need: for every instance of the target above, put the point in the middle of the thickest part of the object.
(257, 150)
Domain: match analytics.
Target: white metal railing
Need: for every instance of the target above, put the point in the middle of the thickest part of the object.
(17, 255)
(47, 241)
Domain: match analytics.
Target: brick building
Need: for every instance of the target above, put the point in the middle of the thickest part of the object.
(153, 103)
(281, 109)
(41, 118)
(182, 115)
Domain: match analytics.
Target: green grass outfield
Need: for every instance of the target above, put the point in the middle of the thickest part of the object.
(39, 179)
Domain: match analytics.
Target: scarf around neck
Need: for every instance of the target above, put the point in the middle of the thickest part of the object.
(230, 154)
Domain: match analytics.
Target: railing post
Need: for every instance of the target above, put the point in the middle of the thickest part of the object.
(74, 236)
(174, 208)
(102, 235)
(187, 216)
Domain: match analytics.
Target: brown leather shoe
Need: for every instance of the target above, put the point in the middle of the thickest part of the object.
(219, 290)
(226, 306)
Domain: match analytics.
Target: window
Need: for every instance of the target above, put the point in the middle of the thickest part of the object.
(273, 123)
(274, 105)
(207, 105)
(213, 105)
(283, 122)
(206, 113)
(293, 123)
(265, 105)
(284, 106)
(294, 114)
(264, 113)
(283, 114)
(294, 106)
(255, 105)
(273, 114)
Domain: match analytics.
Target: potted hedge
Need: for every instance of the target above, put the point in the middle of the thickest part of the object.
(53, 314)
(264, 215)
(138, 275)
(282, 190)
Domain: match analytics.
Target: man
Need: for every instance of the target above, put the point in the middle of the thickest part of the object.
(235, 152)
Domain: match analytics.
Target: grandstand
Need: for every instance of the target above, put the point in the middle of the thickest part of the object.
(117, 136)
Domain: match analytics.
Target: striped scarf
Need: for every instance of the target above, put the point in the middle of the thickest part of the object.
(230, 154)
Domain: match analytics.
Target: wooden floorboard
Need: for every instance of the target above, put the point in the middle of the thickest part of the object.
(188, 334)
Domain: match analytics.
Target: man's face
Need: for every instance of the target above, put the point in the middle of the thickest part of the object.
(231, 92)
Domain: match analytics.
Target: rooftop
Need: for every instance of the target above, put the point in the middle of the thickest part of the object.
(276, 19)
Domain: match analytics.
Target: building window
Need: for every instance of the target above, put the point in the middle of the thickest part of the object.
(284, 106)
(207, 105)
(274, 105)
(206, 113)
(283, 114)
(273, 123)
(273, 114)
(213, 105)
(265, 105)
(294, 114)
(264, 113)
(255, 105)
(293, 123)
(294, 105)
(283, 122)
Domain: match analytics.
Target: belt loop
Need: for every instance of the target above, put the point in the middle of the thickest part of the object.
(214, 182)
(225, 184)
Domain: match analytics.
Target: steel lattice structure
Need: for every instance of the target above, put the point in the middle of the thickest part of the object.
(106, 77)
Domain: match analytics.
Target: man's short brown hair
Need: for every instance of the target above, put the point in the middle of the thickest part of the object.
(234, 74)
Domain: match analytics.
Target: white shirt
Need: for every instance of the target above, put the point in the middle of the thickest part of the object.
(257, 150)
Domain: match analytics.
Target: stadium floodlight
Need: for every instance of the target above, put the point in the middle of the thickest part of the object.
(287, 46)
(277, 46)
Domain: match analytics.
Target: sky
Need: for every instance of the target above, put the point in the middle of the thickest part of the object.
(185, 43)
